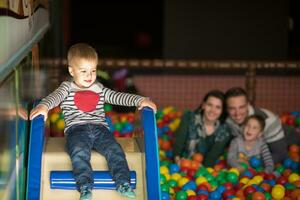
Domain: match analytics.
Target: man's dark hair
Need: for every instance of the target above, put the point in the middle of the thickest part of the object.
(235, 92)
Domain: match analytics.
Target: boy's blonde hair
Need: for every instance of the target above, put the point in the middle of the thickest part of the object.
(81, 51)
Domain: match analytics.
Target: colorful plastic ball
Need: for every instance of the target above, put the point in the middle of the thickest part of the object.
(164, 170)
(181, 195)
(165, 196)
(294, 177)
(176, 176)
(232, 177)
(258, 196)
(172, 183)
(174, 168)
(202, 197)
(226, 194)
(191, 185)
(164, 188)
(255, 162)
(215, 195)
(249, 190)
(182, 181)
(163, 179)
(278, 192)
(287, 163)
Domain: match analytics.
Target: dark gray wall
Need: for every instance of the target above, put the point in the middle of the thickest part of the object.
(232, 29)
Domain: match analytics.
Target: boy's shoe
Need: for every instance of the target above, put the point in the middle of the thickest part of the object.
(126, 191)
(85, 193)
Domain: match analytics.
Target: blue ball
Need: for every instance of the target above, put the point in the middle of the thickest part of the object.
(173, 168)
(255, 162)
(165, 196)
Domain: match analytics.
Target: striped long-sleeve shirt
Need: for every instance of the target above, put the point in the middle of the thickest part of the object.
(259, 150)
(273, 129)
(86, 105)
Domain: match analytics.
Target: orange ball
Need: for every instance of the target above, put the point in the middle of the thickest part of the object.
(185, 163)
(198, 157)
(258, 196)
(194, 164)
(294, 148)
(266, 187)
(295, 193)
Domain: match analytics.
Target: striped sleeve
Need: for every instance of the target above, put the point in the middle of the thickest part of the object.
(267, 158)
(120, 98)
(57, 96)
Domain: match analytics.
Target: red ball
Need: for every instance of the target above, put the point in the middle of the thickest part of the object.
(282, 180)
(228, 193)
(249, 190)
(192, 198)
(202, 187)
(258, 196)
(202, 197)
(228, 185)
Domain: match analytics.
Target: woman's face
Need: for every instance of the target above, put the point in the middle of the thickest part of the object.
(212, 109)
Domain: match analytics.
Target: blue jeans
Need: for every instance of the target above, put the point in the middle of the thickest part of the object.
(81, 139)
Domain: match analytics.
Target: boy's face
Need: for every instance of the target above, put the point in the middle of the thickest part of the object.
(84, 73)
(237, 108)
(252, 130)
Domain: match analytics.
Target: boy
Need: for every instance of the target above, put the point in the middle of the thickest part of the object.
(250, 144)
(82, 102)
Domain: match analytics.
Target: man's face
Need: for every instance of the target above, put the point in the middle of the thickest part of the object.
(237, 108)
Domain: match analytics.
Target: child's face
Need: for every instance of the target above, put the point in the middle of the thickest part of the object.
(252, 130)
(212, 109)
(84, 73)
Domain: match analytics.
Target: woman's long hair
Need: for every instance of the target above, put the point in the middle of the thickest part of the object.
(219, 95)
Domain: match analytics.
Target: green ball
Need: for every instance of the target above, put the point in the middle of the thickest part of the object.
(232, 177)
(107, 107)
(159, 114)
(164, 188)
(165, 163)
(280, 169)
(163, 179)
(268, 196)
(172, 183)
(181, 195)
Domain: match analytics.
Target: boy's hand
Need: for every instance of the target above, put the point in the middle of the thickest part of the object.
(39, 110)
(149, 103)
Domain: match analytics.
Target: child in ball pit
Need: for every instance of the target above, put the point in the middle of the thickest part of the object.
(82, 101)
(250, 144)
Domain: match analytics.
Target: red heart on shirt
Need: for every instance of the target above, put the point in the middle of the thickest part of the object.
(86, 101)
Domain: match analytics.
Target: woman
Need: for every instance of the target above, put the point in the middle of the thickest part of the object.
(203, 130)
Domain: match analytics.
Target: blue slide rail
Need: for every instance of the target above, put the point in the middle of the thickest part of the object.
(36, 144)
(35, 151)
(151, 154)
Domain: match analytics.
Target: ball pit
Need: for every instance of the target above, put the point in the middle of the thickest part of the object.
(221, 182)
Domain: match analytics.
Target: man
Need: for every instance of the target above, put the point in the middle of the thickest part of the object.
(239, 108)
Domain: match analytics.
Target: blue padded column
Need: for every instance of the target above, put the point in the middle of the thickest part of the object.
(151, 154)
(36, 144)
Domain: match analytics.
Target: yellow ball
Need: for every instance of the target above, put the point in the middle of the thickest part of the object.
(293, 177)
(164, 170)
(162, 154)
(54, 117)
(235, 170)
(190, 193)
(200, 180)
(60, 124)
(258, 179)
(182, 181)
(210, 170)
(244, 180)
(277, 192)
(175, 176)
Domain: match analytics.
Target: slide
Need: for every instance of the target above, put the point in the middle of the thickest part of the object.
(47, 158)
